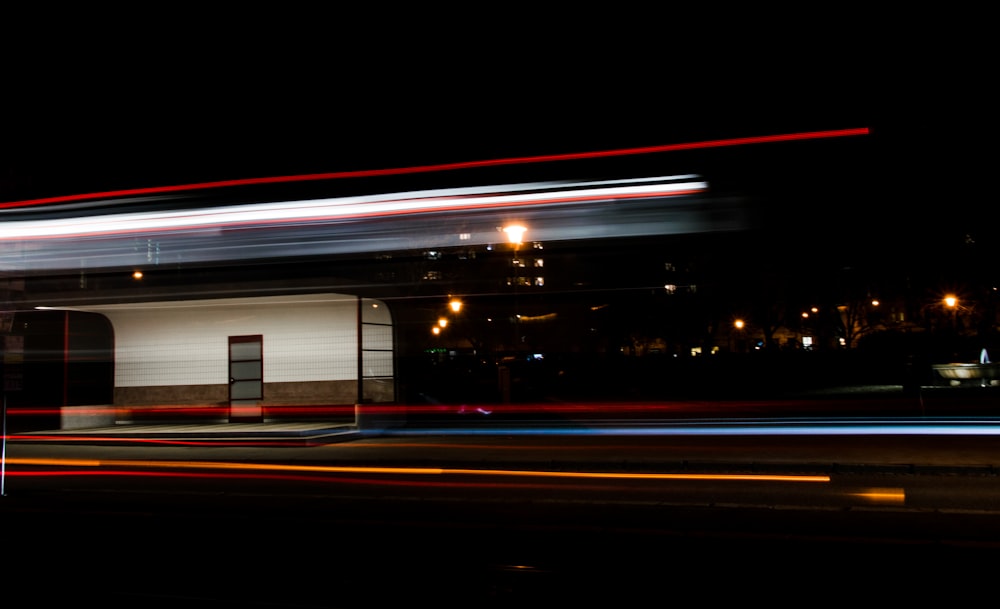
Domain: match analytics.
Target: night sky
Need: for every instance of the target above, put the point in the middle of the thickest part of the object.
(179, 100)
(192, 98)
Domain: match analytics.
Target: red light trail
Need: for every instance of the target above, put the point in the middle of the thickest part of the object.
(370, 173)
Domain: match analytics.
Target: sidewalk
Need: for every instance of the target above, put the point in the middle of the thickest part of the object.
(220, 434)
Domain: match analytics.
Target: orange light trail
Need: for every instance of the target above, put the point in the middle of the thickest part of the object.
(882, 495)
(435, 471)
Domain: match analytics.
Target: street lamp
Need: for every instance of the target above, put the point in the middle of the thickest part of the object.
(441, 324)
(951, 303)
(515, 234)
(738, 325)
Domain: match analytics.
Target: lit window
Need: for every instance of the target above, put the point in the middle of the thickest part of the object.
(539, 263)
(539, 281)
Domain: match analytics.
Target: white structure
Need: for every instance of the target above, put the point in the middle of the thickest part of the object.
(252, 358)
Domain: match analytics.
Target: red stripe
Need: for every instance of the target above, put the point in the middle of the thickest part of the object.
(368, 173)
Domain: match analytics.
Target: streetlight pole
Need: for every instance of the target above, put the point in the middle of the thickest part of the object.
(515, 233)
(738, 325)
(951, 302)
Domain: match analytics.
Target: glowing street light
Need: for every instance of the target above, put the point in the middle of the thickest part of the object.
(515, 233)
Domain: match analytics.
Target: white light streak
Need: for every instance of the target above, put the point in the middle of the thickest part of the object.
(346, 208)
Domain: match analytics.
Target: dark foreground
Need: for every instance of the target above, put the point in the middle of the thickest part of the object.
(142, 550)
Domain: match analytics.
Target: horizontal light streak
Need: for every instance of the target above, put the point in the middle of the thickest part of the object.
(719, 428)
(338, 209)
(370, 173)
(896, 496)
(421, 471)
(124, 439)
(607, 413)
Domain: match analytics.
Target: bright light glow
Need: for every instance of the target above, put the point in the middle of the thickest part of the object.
(455, 305)
(951, 301)
(515, 233)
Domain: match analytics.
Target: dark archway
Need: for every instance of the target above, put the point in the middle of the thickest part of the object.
(55, 359)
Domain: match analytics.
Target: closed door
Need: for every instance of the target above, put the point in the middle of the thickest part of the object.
(246, 378)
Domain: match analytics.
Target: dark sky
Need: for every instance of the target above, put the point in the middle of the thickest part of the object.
(150, 135)
(173, 100)
(182, 98)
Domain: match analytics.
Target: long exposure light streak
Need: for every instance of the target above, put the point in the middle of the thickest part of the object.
(347, 208)
(422, 471)
(193, 436)
(722, 428)
(895, 496)
(720, 143)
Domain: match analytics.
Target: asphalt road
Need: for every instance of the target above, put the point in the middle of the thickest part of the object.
(493, 519)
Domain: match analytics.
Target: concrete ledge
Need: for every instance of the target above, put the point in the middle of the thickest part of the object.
(83, 417)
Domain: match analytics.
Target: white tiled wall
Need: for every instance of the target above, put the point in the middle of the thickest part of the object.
(305, 338)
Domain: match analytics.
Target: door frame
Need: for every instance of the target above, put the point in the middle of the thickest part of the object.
(246, 409)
